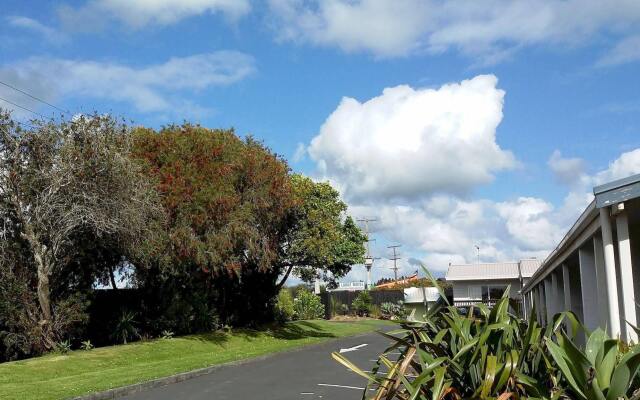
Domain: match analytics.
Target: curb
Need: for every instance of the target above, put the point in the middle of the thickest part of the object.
(184, 376)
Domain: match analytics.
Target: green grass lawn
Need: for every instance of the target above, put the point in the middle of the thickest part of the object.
(58, 376)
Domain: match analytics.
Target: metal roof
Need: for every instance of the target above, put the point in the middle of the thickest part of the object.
(489, 271)
(605, 195)
(617, 191)
(529, 266)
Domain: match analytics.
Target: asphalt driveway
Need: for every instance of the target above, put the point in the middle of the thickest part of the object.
(309, 373)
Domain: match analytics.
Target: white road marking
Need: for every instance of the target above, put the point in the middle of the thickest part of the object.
(306, 393)
(341, 386)
(354, 348)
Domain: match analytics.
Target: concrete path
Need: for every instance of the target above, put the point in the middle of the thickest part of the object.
(309, 373)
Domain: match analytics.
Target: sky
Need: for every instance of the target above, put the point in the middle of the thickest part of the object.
(453, 124)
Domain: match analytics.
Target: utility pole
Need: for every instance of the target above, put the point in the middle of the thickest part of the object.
(368, 260)
(395, 258)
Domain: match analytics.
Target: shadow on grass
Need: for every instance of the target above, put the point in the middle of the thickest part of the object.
(289, 331)
(301, 330)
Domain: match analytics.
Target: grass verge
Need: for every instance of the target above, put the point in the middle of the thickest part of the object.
(58, 376)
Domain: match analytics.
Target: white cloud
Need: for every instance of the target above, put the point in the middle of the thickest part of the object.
(299, 154)
(490, 29)
(152, 88)
(410, 157)
(569, 171)
(137, 14)
(528, 224)
(627, 50)
(627, 164)
(29, 24)
(383, 27)
(410, 143)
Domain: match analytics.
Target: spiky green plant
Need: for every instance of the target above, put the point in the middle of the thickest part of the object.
(496, 354)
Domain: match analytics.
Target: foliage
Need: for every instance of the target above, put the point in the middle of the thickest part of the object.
(285, 310)
(69, 188)
(63, 347)
(498, 355)
(395, 311)
(86, 345)
(126, 328)
(167, 334)
(308, 306)
(361, 305)
(227, 203)
(323, 242)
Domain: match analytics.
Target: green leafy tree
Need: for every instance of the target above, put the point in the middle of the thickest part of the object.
(228, 205)
(323, 241)
(65, 184)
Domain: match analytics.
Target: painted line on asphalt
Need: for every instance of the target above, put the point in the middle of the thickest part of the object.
(354, 348)
(341, 386)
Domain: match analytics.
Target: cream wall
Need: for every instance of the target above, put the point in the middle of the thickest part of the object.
(472, 290)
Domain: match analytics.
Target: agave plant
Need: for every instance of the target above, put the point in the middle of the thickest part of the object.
(495, 354)
(606, 370)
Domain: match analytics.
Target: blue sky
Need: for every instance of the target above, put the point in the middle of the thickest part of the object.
(510, 113)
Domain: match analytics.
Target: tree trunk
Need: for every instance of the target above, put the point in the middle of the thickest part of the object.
(112, 277)
(44, 294)
(284, 278)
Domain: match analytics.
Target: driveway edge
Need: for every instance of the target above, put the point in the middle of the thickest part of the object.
(183, 376)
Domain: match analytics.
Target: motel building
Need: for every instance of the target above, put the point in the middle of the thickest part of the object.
(486, 282)
(595, 270)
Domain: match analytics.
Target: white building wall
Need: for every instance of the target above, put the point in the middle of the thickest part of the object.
(472, 290)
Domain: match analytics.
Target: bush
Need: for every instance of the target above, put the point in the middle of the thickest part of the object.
(166, 334)
(362, 304)
(495, 354)
(86, 345)
(308, 306)
(63, 347)
(284, 310)
(394, 311)
(126, 329)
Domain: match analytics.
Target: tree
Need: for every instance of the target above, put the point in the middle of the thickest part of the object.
(64, 182)
(323, 241)
(228, 204)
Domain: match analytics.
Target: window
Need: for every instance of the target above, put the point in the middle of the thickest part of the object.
(475, 292)
(492, 292)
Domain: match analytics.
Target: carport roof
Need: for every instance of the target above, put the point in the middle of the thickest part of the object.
(492, 271)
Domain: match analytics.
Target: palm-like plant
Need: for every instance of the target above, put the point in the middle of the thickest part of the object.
(499, 355)
(125, 328)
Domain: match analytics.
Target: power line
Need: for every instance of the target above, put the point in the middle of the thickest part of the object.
(34, 97)
(24, 108)
(395, 259)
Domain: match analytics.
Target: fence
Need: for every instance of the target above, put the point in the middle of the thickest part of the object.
(331, 300)
(515, 304)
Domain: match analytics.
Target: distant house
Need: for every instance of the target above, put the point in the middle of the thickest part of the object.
(486, 282)
(418, 299)
(349, 287)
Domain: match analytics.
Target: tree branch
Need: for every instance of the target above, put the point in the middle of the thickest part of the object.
(284, 278)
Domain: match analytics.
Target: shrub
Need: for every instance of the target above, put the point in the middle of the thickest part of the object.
(344, 309)
(126, 328)
(166, 334)
(362, 304)
(308, 306)
(495, 354)
(284, 309)
(63, 347)
(86, 345)
(394, 311)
